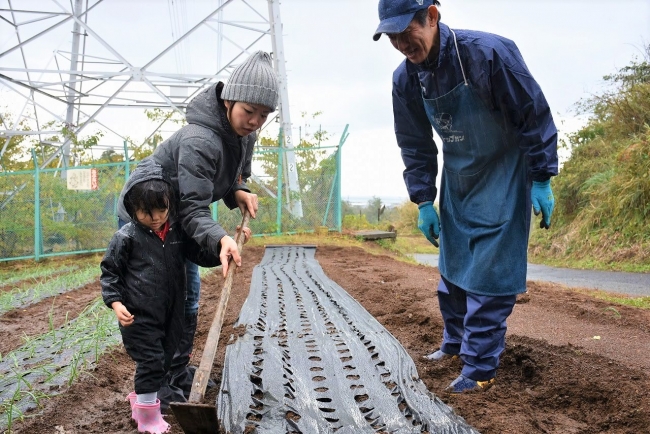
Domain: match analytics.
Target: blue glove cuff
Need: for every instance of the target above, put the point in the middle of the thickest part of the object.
(423, 204)
(542, 183)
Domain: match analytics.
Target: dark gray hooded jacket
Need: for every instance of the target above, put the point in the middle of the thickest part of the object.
(147, 274)
(206, 161)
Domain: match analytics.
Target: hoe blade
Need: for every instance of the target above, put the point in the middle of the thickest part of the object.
(196, 418)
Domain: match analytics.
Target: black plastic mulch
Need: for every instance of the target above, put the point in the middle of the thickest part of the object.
(313, 360)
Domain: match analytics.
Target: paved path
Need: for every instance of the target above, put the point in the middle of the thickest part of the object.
(636, 284)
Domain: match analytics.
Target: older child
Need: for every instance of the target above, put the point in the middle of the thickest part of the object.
(208, 160)
(143, 281)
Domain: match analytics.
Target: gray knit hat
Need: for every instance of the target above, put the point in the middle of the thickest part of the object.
(253, 81)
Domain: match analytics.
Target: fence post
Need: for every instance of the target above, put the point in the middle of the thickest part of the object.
(215, 211)
(332, 189)
(37, 209)
(278, 222)
(339, 217)
(127, 167)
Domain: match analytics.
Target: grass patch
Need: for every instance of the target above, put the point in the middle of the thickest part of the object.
(602, 191)
(632, 265)
(403, 243)
(618, 299)
(639, 302)
(415, 244)
(329, 239)
(401, 248)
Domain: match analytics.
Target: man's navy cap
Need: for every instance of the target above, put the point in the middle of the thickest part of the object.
(396, 15)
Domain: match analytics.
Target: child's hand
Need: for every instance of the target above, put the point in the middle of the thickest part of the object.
(123, 315)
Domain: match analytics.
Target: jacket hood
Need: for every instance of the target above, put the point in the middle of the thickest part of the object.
(206, 109)
(147, 170)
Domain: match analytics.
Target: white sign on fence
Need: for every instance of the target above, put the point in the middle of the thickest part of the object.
(82, 179)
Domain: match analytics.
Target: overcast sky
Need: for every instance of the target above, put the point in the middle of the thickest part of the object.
(334, 66)
(568, 45)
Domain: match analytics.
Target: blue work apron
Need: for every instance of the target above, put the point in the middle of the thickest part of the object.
(484, 194)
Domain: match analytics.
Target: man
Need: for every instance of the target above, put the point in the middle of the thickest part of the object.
(499, 148)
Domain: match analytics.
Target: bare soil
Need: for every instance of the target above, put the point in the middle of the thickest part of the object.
(572, 365)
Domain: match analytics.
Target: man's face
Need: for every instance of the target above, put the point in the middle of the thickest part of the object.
(416, 41)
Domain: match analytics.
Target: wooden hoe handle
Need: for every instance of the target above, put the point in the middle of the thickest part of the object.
(202, 374)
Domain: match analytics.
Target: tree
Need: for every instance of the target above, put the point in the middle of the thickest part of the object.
(622, 109)
(16, 155)
(316, 172)
(87, 218)
(160, 117)
(372, 209)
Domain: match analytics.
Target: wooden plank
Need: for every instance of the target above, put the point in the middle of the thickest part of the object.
(370, 235)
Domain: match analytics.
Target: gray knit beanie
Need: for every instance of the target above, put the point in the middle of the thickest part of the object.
(253, 81)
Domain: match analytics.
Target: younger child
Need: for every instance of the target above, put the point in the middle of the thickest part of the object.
(143, 281)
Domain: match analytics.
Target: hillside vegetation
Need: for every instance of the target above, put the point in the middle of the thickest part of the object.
(602, 214)
(602, 192)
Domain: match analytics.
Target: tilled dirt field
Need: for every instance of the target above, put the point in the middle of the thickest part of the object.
(572, 364)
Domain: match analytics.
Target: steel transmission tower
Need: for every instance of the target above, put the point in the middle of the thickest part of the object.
(111, 68)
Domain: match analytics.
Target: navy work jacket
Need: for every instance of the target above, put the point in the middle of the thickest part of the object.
(496, 69)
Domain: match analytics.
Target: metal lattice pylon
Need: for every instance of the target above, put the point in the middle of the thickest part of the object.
(110, 66)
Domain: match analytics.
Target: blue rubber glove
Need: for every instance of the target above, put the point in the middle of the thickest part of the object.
(543, 201)
(428, 222)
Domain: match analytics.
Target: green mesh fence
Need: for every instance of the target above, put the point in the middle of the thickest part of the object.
(319, 195)
(41, 217)
(17, 215)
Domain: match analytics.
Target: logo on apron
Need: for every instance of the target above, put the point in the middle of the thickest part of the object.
(445, 129)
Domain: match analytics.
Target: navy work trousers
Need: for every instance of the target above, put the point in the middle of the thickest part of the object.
(475, 328)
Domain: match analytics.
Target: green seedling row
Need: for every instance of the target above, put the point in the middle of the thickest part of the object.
(10, 278)
(31, 292)
(48, 364)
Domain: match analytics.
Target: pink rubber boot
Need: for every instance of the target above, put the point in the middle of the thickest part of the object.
(149, 418)
(131, 397)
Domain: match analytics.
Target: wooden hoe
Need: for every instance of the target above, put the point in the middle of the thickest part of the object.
(194, 416)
